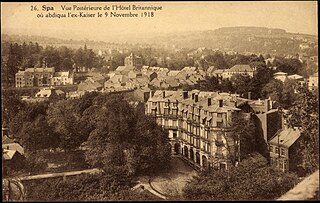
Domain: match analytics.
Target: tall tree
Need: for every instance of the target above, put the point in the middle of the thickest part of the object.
(273, 90)
(304, 113)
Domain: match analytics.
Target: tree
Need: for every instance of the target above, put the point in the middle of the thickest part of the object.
(38, 135)
(243, 130)
(122, 140)
(66, 59)
(240, 83)
(273, 90)
(63, 119)
(226, 86)
(304, 113)
(288, 94)
(211, 84)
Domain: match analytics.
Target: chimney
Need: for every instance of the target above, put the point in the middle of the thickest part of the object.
(249, 95)
(192, 96)
(220, 103)
(185, 94)
(163, 94)
(270, 103)
(196, 98)
(267, 104)
(209, 101)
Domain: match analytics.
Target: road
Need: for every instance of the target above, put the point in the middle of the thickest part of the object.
(305, 190)
(62, 174)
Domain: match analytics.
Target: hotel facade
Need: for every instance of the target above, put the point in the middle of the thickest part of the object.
(200, 123)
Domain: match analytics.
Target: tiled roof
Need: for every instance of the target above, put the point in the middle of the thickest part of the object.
(14, 146)
(286, 138)
(20, 72)
(241, 68)
(295, 77)
(202, 100)
(39, 69)
(8, 154)
(173, 72)
(125, 68)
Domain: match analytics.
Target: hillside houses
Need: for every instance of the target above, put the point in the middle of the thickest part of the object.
(284, 77)
(40, 77)
(236, 69)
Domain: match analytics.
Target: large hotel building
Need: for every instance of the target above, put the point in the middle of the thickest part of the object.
(199, 123)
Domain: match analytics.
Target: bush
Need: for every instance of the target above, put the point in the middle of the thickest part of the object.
(252, 180)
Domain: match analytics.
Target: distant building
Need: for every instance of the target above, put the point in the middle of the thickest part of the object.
(280, 76)
(133, 60)
(62, 78)
(40, 77)
(237, 69)
(50, 93)
(298, 78)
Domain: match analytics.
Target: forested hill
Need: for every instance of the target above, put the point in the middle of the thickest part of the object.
(51, 41)
(247, 39)
(239, 39)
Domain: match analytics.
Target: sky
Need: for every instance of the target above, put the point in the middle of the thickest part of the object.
(175, 17)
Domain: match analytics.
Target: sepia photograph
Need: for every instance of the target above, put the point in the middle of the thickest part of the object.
(159, 101)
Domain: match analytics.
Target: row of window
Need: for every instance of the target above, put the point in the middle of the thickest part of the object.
(276, 150)
(280, 163)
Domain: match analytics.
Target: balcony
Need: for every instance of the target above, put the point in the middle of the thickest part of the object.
(170, 127)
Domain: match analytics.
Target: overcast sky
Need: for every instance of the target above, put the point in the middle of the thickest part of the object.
(174, 17)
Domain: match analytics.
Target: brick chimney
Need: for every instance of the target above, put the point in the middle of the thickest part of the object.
(267, 104)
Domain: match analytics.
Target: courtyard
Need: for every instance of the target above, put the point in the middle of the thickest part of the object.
(170, 183)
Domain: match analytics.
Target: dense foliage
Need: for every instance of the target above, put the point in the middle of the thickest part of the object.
(305, 114)
(118, 137)
(253, 179)
(99, 187)
(124, 140)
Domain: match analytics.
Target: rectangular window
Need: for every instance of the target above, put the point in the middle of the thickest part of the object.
(166, 111)
(219, 115)
(282, 152)
(174, 134)
(174, 112)
(175, 123)
(166, 122)
(276, 150)
(271, 148)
